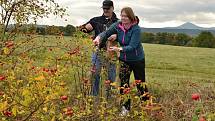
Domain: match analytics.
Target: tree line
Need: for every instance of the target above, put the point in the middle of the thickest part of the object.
(204, 39)
(67, 30)
(53, 30)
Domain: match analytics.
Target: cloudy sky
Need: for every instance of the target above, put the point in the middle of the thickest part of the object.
(152, 13)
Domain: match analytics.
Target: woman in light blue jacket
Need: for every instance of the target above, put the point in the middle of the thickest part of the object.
(131, 53)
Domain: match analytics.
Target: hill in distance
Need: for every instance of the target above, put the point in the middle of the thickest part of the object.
(187, 28)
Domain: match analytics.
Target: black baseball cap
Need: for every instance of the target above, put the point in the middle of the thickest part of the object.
(107, 4)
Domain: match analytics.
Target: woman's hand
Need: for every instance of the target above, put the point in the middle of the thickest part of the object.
(96, 41)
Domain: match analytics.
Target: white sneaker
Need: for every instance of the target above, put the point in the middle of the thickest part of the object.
(124, 111)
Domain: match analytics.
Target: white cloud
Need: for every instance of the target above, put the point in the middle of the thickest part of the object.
(152, 13)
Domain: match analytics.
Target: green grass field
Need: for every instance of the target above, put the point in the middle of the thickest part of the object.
(180, 62)
(175, 72)
(174, 64)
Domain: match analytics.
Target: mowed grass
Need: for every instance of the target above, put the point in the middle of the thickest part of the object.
(172, 64)
(174, 73)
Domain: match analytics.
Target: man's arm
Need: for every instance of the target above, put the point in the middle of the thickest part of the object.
(111, 41)
(86, 28)
(89, 26)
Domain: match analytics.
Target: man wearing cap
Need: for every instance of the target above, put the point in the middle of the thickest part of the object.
(98, 25)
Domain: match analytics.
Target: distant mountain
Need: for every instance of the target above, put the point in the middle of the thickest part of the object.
(189, 25)
(186, 25)
(212, 28)
(187, 28)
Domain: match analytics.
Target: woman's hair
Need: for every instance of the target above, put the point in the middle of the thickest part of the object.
(129, 12)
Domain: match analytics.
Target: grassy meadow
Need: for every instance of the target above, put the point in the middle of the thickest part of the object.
(172, 65)
(175, 72)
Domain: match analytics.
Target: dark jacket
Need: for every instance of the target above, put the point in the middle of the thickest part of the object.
(129, 40)
(100, 24)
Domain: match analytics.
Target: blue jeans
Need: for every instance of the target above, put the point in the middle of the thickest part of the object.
(99, 60)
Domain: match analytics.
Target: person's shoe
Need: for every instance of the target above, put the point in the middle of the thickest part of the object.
(124, 111)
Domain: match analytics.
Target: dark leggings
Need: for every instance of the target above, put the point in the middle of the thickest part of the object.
(138, 68)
